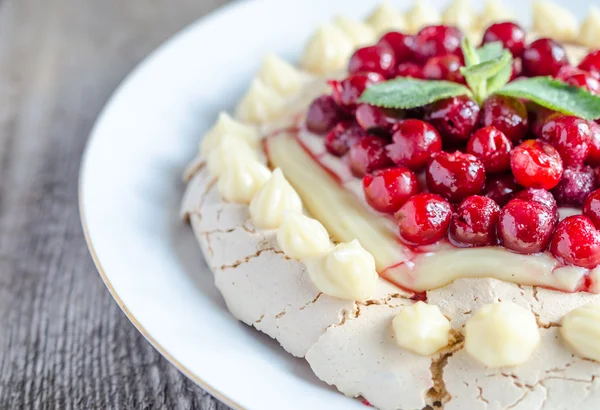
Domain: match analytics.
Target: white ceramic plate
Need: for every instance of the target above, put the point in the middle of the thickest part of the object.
(130, 191)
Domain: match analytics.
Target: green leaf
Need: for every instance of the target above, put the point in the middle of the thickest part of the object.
(501, 79)
(406, 92)
(489, 51)
(555, 95)
(491, 72)
(469, 52)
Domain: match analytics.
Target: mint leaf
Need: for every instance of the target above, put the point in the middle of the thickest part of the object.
(488, 73)
(469, 52)
(555, 95)
(406, 92)
(489, 51)
(501, 79)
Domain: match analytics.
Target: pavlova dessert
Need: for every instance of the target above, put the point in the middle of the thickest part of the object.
(414, 210)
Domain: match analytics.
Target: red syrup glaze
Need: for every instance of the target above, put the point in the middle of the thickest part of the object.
(411, 250)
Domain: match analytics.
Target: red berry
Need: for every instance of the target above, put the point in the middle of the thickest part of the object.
(375, 119)
(544, 57)
(455, 118)
(455, 176)
(492, 148)
(399, 43)
(375, 59)
(525, 226)
(474, 222)
(386, 190)
(536, 164)
(538, 117)
(414, 142)
(517, 68)
(368, 155)
(507, 114)
(435, 41)
(342, 136)
(424, 219)
(577, 242)
(593, 158)
(511, 35)
(444, 68)
(579, 78)
(591, 207)
(323, 114)
(570, 135)
(576, 184)
(540, 196)
(501, 188)
(409, 70)
(347, 92)
(591, 62)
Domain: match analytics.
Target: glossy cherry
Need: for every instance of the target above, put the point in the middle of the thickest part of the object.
(511, 35)
(375, 59)
(368, 155)
(347, 92)
(501, 188)
(323, 114)
(593, 158)
(409, 70)
(579, 78)
(342, 136)
(491, 146)
(455, 118)
(570, 135)
(444, 68)
(399, 43)
(455, 176)
(577, 242)
(591, 62)
(386, 190)
(424, 219)
(376, 120)
(507, 114)
(591, 207)
(537, 118)
(544, 57)
(413, 143)
(474, 222)
(536, 164)
(525, 226)
(541, 196)
(435, 41)
(576, 184)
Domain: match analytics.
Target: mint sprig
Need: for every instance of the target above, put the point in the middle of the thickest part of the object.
(487, 71)
(407, 92)
(555, 95)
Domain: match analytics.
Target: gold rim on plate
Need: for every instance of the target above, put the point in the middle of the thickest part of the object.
(188, 373)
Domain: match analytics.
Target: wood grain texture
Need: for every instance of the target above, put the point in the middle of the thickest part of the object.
(64, 343)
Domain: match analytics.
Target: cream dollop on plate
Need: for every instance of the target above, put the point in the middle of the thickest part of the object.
(501, 334)
(386, 18)
(327, 51)
(581, 329)
(347, 272)
(555, 21)
(260, 104)
(302, 237)
(227, 125)
(240, 181)
(231, 149)
(421, 328)
(274, 198)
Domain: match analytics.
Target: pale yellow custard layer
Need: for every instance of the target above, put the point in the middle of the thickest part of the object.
(346, 218)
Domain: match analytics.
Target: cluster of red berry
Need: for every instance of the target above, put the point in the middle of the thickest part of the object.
(493, 174)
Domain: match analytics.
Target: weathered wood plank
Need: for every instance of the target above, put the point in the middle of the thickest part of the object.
(64, 343)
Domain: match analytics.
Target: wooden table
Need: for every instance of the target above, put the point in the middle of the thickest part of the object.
(64, 342)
